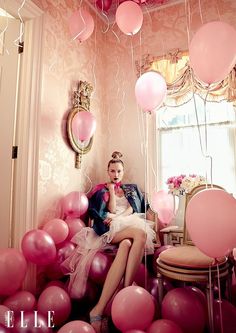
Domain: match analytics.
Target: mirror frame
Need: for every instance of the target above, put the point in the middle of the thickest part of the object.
(81, 102)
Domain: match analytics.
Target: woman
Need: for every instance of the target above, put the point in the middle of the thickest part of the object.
(115, 209)
(118, 217)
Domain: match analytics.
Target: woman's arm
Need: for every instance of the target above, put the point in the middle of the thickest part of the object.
(111, 206)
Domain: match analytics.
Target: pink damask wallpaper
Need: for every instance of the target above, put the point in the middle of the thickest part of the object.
(106, 60)
(65, 62)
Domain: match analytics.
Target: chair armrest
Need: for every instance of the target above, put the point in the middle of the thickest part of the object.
(90, 222)
(153, 216)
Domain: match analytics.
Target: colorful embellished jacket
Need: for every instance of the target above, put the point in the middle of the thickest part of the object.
(98, 204)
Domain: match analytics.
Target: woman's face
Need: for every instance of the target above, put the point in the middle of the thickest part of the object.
(116, 172)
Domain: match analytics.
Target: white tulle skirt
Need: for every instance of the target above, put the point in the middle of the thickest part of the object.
(77, 265)
(134, 220)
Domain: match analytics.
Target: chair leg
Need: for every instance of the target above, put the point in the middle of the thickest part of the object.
(209, 294)
(160, 288)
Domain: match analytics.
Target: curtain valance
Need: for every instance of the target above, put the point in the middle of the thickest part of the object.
(181, 81)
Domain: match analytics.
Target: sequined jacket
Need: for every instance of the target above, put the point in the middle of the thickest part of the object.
(98, 204)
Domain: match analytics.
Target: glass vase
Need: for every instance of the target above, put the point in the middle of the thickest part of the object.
(180, 212)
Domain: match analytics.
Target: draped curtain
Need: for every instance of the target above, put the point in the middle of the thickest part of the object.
(181, 81)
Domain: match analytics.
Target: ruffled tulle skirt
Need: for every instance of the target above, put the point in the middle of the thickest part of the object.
(78, 264)
(134, 220)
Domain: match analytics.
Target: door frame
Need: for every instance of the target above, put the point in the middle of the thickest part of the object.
(25, 190)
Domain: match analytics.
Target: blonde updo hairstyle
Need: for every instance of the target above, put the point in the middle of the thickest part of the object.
(116, 158)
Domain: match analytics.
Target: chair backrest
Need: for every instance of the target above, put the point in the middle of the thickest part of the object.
(187, 239)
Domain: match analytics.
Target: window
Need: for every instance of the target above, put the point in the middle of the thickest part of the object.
(182, 138)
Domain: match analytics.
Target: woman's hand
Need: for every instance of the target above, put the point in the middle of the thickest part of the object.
(107, 221)
(110, 187)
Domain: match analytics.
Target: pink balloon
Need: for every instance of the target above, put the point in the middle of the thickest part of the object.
(76, 326)
(212, 212)
(153, 286)
(156, 254)
(134, 303)
(4, 329)
(38, 247)
(21, 301)
(29, 322)
(55, 299)
(3, 314)
(56, 283)
(74, 204)
(164, 326)
(150, 91)
(74, 225)
(129, 17)
(134, 331)
(53, 271)
(163, 203)
(141, 275)
(184, 307)
(212, 51)
(81, 25)
(99, 267)
(57, 229)
(228, 315)
(104, 5)
(83, 125)
(13, 267)
(64, 249)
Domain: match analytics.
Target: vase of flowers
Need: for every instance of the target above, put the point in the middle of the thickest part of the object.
(179, 186)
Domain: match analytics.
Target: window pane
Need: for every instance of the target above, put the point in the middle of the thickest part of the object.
(180, 148)
(185, 114)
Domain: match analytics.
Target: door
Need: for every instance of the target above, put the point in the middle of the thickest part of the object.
(9, 67)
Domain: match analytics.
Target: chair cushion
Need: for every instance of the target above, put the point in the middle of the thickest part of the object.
(188, 256)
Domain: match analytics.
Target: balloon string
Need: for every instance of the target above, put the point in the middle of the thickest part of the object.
(90, 181)
(112, 27)
(220, 300)
(106, 18)
(2, 32)
(147, 10)
(107, 22)
(141, 129)
(206, 135)
(200, 10)
(95, 57)
(210, 315)
(199, 132)
(132, 55)
(119, 88)
(84, 23)
(114, 33)
(187, 14)
(19, 39)
(218, 12)
(145, 188)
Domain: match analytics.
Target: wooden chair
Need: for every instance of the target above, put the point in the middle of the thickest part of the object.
(187, 263)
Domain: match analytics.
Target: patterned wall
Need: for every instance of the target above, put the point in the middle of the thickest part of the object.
(107, 61)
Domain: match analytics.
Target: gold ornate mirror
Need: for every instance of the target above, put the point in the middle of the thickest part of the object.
(81, 102)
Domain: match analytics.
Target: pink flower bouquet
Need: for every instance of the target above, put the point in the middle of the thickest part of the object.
(182, 184)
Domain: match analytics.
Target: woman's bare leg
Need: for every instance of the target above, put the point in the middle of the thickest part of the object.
(136, 252)
(128, 258)
(114, 276)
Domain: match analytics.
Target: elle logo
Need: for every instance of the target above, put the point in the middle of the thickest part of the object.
(9, 319)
